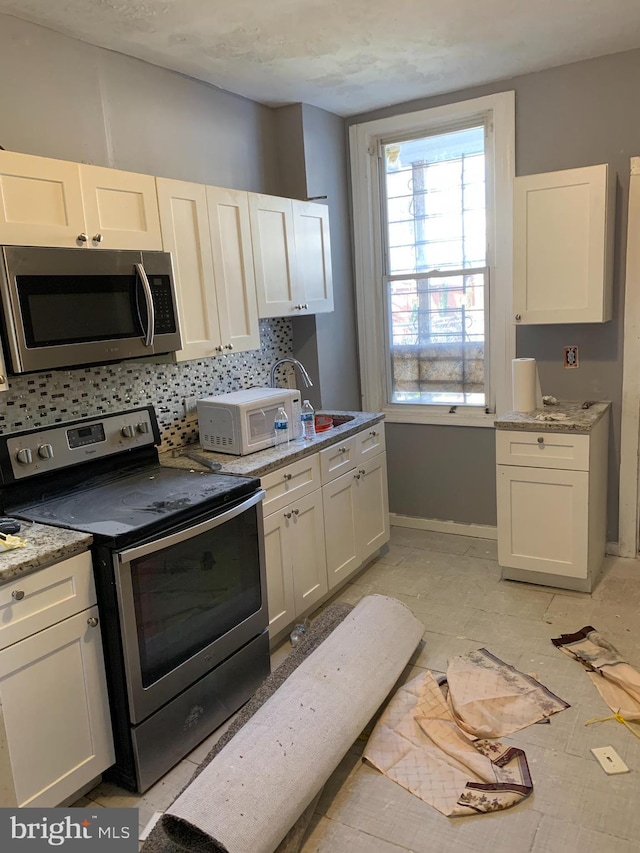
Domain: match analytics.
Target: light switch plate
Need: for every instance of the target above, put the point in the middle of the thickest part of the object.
(609, 760)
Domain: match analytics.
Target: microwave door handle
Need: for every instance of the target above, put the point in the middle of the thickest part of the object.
(148, 298)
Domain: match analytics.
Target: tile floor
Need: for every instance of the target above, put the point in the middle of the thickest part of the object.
(452, 583)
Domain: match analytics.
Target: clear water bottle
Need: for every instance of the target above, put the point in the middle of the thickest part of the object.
(307, 419)
(281, 428)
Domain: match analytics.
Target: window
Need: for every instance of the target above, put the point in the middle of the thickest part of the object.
(432, 213)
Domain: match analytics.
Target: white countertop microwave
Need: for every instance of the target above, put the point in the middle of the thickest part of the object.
(242, 422)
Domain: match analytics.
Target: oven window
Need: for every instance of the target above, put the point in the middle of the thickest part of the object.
(192, 593)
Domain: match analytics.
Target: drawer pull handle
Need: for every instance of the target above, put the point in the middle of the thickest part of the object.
(287, 515)
(356, 476)
(287, 476)
(373, 433)
(17, 594)
(540, 440)
(342, 449)
(296, 511)
(92, 621)
(361, 471)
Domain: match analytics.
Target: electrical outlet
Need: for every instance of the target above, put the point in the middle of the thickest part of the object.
(571, 357)
(189, 406)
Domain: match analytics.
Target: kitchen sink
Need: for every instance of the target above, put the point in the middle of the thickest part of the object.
(339, 420)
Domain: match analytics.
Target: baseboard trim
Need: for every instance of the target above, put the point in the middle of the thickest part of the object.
(479, 531)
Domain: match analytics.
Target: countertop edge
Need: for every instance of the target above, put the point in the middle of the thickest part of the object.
(34, 557)
(526, 421)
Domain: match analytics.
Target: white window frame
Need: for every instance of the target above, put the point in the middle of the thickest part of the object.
(364, 142)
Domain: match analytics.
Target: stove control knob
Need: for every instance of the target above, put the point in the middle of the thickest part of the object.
(24, 456)
(143, 427)
(45, 451)
(128, 430)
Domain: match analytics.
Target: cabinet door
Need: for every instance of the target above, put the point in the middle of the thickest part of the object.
(185, 233)
(121, 209)
(233, 269)
(40, 201)
(279, 573)
(308, 556)
(313, 256)
(562, 242)
(372, 505)
(543, 520)
(55, 711)
(341, 534)
(274, 256)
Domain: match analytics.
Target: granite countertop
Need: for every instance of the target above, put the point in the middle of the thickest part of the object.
(261, 463)
(45, 545)
(550, 418)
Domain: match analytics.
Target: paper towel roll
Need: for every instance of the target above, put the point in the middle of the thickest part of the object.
(524, 375)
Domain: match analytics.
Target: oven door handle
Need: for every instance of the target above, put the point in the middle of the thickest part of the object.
(190, 532)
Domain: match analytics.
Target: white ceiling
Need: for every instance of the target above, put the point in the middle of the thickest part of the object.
(346, 56)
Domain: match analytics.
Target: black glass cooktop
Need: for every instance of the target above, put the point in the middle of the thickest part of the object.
(138, 500)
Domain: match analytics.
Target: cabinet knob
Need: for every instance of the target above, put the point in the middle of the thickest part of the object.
(361, 471)
(218, 349)
(17, 594)
(3, 379)
(518, 317)
(92, 621)
(540, 440)
(97, 238)
(287, 515)
(82, 238)
(357, 476)
(296, 511)
(305, 306)
(373, 433)
(342, 449)
(287, 476)
(229, 346)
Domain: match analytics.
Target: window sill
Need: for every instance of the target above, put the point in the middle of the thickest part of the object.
(394, 415)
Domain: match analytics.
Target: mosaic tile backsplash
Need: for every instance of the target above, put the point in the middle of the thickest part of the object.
(40, 399)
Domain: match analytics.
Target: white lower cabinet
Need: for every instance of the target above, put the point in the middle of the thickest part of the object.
(327, 513)
(552, 505)
(55, 728)
(356, 512)
(295, 559)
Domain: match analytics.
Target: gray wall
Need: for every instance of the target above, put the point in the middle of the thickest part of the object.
(62, 98)
(576, 115)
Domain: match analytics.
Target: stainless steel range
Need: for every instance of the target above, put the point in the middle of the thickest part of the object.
(179, 567)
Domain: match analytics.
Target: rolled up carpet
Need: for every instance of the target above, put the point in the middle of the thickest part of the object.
(249, 796)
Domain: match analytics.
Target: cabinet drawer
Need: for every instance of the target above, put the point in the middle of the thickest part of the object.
(290, 483)
(40, 599)
(337, 459)
(563, 450)
(370, 442)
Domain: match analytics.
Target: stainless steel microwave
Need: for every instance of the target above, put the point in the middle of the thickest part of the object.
(72, 307)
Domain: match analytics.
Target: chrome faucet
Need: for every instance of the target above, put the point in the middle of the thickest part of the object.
(303, 371)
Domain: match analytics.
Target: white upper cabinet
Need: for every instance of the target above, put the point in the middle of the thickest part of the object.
(563, 246)
(292, 256)
(207, 231)
(46, 202)
(233, 268)
(40, 201)
(121, 209)
(313, 253)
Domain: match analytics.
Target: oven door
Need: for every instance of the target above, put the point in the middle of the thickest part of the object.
(188, 601)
